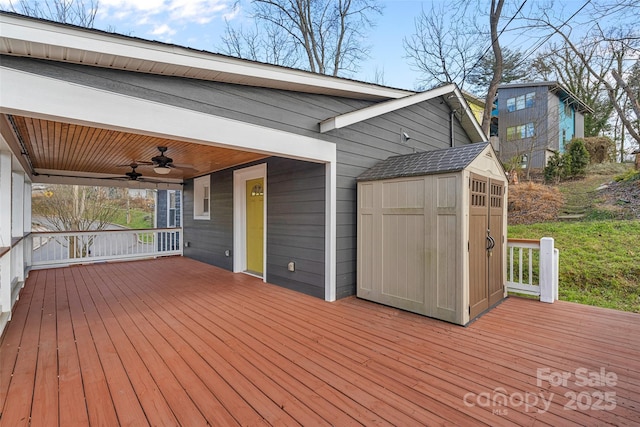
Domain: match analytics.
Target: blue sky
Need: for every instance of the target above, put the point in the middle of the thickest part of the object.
(200, 24)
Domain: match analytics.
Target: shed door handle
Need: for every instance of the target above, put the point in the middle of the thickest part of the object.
(491, 243)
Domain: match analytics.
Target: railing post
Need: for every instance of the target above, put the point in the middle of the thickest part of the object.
(548, 272)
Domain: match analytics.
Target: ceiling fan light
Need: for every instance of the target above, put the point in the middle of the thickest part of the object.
(161, 170)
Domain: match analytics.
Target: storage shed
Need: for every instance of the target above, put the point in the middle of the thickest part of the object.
(432, 232)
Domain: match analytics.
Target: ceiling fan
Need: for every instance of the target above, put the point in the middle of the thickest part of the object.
(133, 175)
(162, 164)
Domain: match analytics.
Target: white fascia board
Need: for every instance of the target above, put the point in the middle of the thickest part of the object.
(367, 113)
(470, 115)
(48, 34)
(32, 95)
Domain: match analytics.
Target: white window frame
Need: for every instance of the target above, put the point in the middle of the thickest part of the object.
(201, 198)
(174, 208)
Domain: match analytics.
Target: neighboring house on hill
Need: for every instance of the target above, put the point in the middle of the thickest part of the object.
(274, 151)
(168, 209)
(536, 120)
(477, 108)
(168, 214)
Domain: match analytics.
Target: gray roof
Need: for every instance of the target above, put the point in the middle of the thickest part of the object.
(425, 163)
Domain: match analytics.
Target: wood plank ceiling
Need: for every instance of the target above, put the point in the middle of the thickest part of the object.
(89, 151)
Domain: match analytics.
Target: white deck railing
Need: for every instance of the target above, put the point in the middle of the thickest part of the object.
(80, 247)
(532, 268)
(13, 263)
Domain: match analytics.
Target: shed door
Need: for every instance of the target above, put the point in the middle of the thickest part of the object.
(485, 243)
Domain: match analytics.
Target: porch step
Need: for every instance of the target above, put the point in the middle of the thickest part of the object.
(570, 217)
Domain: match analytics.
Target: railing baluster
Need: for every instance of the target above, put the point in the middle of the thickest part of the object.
(511, 264)
(64, 248)
(520, 265)
(530, 266)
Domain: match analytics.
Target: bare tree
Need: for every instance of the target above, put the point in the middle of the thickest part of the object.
(622, 45)
(558, 62)
(447, 46)
(76, 208)
(443, 49)
(267, 43)
(494, 19)
(328, 36)
(76, 12)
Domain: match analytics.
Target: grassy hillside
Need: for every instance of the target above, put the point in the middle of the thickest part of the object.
(599, 253)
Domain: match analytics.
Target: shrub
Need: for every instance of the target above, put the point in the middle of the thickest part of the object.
(577, 158)
(571, 164)
(554, 169)
(628, 176)
(601, 149)
(530, 203)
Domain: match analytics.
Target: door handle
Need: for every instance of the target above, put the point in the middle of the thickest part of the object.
(491, 243)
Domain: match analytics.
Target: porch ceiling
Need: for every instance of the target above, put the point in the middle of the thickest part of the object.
(58, 148)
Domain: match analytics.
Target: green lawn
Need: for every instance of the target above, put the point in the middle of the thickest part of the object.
(599, 260)
(139, 219)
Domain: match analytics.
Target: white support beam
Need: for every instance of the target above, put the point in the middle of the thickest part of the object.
(51, 99)
(5, 232)
(330, 230)
(17, 205)
(5, 198)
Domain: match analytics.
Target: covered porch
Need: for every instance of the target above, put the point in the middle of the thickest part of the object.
(110, 344)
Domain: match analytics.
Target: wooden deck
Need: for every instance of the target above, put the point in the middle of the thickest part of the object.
(177, 342)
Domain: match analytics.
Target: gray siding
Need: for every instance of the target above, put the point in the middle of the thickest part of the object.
(161, 211)
(365, 144)
(359, 147)
(579, 125)
(295, 225)
(539, 115)
(209, 239)
(288, 111)
(295, 194)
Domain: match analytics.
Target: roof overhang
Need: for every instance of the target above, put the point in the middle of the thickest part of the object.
(41, 39)
(450, 93)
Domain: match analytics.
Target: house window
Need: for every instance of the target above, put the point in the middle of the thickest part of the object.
(567, 110)
(171, 209)
(520, 132)
(530, 100)
(202, 197)
(521, 102)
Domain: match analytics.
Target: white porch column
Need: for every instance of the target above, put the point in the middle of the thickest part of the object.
(330, 230)
(17, 205)
(5, 229)
(28, 244)
(17, 226)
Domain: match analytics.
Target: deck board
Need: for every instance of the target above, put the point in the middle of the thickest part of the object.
(178, 342)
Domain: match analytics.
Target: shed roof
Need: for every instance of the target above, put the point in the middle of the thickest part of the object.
(425, 163)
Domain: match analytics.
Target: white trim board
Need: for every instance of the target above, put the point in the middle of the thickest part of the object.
(37, 38)
(376, 110)
(51, 99)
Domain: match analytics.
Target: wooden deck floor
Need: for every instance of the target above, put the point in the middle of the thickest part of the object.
(177, 342)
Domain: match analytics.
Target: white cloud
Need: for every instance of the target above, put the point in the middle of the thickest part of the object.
(163, 30)
(159, 18)
(198, 11)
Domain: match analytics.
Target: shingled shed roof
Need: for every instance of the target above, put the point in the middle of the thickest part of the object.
(426, 163)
